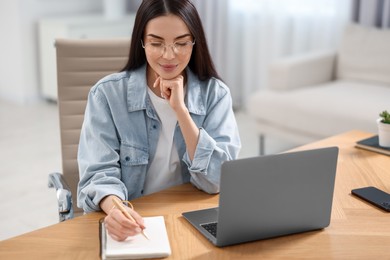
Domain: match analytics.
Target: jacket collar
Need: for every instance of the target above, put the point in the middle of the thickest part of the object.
(138, 98)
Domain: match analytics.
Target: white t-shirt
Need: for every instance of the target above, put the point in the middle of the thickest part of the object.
(165, 170)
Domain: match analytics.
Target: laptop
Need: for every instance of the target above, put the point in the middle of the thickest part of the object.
(270, 196)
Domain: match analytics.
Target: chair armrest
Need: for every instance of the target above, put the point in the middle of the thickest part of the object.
(302, 70)
(64, 195)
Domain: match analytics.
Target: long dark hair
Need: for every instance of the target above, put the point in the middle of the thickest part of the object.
(200, 63)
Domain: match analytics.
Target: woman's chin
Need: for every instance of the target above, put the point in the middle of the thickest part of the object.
(165, 75)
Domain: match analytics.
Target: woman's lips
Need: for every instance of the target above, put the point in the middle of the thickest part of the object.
(168, 67)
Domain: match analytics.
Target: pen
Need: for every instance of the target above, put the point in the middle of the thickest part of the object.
(127, 214)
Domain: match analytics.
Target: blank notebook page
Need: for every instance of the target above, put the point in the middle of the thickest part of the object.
(138, 246)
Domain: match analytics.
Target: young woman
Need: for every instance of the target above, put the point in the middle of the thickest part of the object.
(166, 119)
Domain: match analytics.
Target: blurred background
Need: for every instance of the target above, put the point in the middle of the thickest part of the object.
(244, 36)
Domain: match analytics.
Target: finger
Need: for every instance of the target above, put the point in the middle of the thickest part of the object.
(157, 82)
(120, 231)
(120, 225)
(166, 94)
(137, 217)
(173, 84)
(164, 88)
(116, 234)
(121, 219)
(115, 237)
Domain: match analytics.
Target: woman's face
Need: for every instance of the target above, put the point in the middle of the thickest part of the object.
(168, 45)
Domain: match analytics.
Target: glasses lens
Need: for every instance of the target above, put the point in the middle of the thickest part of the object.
(182, 47)
(158, 48)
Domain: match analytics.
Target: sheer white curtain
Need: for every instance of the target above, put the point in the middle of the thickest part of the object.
(372, 12)
(245, 36)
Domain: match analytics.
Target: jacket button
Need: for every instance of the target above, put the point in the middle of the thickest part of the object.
(127, 158)
(154, 126)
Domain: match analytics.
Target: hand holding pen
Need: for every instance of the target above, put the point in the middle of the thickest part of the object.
(120, 206)
(122, 222)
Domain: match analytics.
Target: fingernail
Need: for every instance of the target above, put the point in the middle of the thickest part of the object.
(138, 230)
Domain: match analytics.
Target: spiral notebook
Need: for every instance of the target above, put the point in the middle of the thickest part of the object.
(137, 247)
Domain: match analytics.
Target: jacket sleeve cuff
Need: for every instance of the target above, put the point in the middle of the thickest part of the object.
(203, 152)
(93, 198)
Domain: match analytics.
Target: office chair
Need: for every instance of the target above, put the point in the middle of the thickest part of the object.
(80, 64)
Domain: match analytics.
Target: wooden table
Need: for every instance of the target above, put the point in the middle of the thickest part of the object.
(357, 229)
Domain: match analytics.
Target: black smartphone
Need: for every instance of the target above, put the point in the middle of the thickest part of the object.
(374, 196)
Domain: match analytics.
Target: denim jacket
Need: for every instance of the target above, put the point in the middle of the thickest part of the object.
(121, 129)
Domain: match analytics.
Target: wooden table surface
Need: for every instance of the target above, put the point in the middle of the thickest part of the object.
(357, 229)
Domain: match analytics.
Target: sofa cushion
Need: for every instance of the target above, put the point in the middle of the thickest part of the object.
(324, 110)
(364, 54)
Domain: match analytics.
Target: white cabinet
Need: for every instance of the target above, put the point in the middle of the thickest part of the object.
(75, 27)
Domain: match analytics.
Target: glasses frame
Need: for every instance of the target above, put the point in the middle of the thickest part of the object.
(173, 46)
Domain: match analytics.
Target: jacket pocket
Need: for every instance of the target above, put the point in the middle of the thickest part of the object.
(131, 155)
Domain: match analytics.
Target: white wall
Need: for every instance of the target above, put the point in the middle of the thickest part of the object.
(10, 44)
(19, 62)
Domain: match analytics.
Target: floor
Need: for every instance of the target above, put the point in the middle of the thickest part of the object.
(30, 150)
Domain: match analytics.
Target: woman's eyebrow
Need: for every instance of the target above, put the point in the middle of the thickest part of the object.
(154, 36)
(161, 38)
(183, 36)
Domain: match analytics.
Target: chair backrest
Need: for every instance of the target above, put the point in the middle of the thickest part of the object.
(80, 64)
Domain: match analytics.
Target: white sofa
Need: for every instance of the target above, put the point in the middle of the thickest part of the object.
(317, 95)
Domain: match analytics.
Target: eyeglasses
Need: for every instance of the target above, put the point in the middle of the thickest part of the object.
(159, 48)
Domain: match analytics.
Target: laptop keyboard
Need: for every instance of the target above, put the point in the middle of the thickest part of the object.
(211, 228)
